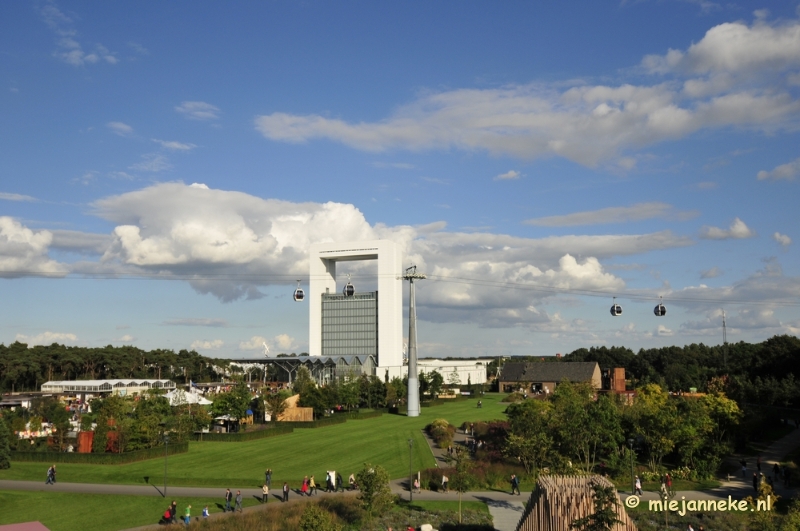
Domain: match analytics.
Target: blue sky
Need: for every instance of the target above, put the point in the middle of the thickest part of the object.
(164, 167)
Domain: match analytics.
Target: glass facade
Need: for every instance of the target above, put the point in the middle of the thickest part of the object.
(350, 324)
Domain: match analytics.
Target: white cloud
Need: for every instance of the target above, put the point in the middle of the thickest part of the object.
(152, 162)
(16, 197)
(735, 47)
(588, 124)
(173, 145)
(223, 236)
(714, 272)
(663, 331)
(283, 341)
(127, 338)
(198, 110)
(637, 212)
(782, 239)
(47, 338)
(787, 171)
(215, 323)
(122, 129)
(737, 230)
(121, 176)
(510, 174)
(254, 343)
(23, 252)
(69, 49)
(202, 344)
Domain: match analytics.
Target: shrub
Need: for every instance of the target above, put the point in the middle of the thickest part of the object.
(100, 458)
(513, 397)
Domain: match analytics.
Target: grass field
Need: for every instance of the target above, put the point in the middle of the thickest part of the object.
(342, 447)
(61, 511)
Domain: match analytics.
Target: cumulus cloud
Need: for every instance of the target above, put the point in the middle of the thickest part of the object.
(509, 175)
(202, 344)
(119, 128)
(174, 145)
(637, 212)
(127, 338)
(737, 230)
(782, 239)
(47, 338)
(229, 243)
(735, 47)
(788, 172)
(254, 343)
(23, 252)
(69, 49)
(198, 110)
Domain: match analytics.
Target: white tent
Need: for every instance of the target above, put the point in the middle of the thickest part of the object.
(179, 397)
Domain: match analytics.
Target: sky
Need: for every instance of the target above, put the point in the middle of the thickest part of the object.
(164, 167)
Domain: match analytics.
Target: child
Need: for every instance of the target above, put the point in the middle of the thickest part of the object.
(205, 511)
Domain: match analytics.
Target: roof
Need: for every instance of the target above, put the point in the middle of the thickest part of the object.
(26, 526)
(541, 371)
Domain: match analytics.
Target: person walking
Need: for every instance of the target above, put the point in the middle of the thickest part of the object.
(416, 485)
(239, 501)
(352, 481)
(187, 515)
(285, 492)
(638, 487)
(514, 484)
(339, 482)
(304, 487)
(228, 499)
(173, 511)
(50, 476)
(669, 484)
(312, 486)
(445, 481)
(205, 512)
(268, 477)
(264, 493)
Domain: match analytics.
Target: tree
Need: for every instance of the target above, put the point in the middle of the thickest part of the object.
(275, 405)
(303, 381)
(349, 394)
(5, 447)
(604, 517)
(529, 441)
(436, 381)
(235, 403)
(453, 379)
(461, 479)
(655, 420)
(373, 483)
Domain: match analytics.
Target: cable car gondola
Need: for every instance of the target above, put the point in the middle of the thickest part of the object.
(299, 294)
(349, 290)
(616, 309)
(660, 310)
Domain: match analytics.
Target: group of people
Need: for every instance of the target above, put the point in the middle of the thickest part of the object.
(171, 514)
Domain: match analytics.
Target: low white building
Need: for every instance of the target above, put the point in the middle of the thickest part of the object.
(464, 371)
(117, 387)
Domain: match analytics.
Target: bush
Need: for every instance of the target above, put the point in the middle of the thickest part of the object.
(441, 432)
(513, 397)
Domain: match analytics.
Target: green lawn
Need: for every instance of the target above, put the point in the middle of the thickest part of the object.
(61, 511)
(342, 447)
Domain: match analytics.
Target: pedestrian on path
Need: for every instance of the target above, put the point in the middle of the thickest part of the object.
(339, 482)
(205, 512)
(515, 484)
(173, 511)
(239, 501)
(264, 493)
(638, 489)
(268, 477)
(416, 485)
(187, 515)
(445, 481)
(285, 492)
(312, 486)
(228, 499)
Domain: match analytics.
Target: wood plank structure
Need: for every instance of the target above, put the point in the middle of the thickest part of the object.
(557, 501)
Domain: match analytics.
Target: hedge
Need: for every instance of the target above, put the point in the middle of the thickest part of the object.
(319, 423)
(100, 459)
(243, 435)
(355, 415)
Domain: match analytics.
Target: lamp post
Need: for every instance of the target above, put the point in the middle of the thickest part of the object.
(633, 483)
(166, 445)
(410, 470)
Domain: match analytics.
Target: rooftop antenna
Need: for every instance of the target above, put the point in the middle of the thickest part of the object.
(413, 376)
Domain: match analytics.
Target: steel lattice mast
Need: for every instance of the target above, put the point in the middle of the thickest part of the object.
(413, 376)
